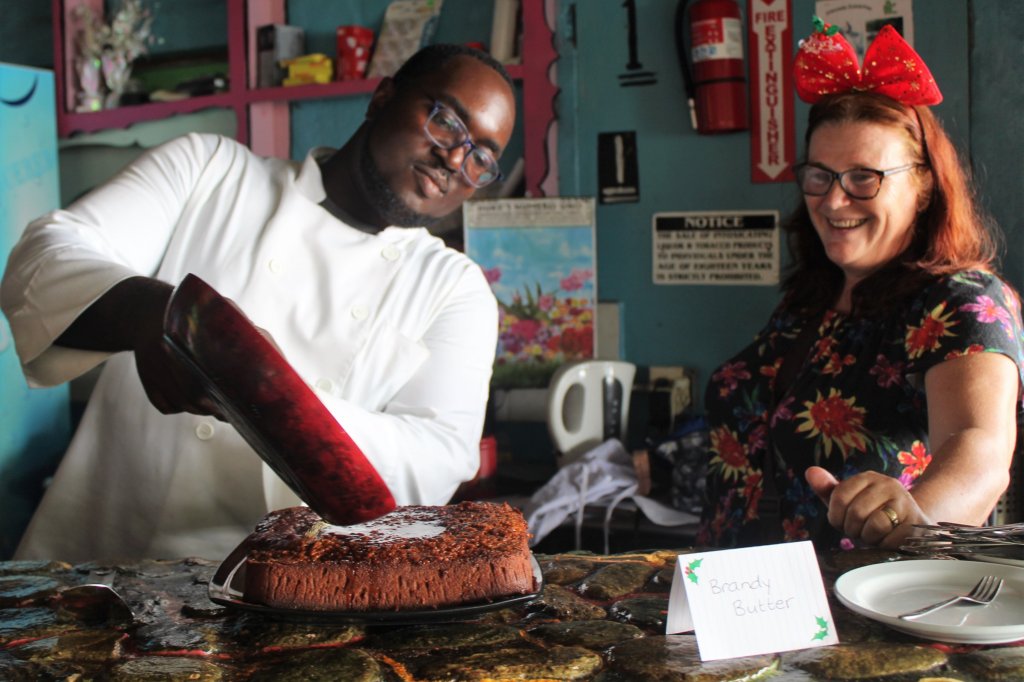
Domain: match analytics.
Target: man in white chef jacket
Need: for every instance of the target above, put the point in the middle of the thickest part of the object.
(395, 332)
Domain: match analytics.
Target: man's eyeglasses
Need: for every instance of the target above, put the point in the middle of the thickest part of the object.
(859, 183)
(445, 129)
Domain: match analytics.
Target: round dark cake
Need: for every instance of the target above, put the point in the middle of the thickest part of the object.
(415, 557)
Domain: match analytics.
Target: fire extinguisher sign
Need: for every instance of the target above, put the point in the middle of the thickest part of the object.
(772, 133)
(716, 247)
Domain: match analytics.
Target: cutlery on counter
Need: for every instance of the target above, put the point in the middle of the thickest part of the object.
(94, 603)
(953, 539)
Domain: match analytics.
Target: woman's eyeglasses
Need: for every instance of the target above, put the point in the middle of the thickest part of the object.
(859, 183)
(445, 129)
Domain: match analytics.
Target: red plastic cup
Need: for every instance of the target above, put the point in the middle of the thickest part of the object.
(354, 44)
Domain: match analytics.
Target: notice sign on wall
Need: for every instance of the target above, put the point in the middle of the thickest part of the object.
(716, 247)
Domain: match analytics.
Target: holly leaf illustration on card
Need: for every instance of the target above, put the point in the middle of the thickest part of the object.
(822, 629)
(691, 571)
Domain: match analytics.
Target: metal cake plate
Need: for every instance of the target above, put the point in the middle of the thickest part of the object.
(226, 589)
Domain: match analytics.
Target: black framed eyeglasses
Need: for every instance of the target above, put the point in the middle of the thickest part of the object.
(858, 183)
(445, 129)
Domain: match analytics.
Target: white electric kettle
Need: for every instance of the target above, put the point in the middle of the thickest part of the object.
(588, 403)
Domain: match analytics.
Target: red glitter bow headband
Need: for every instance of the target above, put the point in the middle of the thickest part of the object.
(826, 64)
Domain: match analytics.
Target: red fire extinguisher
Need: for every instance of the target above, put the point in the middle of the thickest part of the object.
(709, 37)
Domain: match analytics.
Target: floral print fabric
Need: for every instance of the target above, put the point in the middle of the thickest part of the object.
(857, 403)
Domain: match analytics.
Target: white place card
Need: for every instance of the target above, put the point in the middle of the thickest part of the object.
(751, 601)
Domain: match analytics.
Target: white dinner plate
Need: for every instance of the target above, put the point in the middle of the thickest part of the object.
(883, 591)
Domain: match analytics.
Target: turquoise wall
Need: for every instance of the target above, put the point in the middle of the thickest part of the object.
(25, 34)
(974, 48)
(34, 424)
(997, 120)
(699, 326)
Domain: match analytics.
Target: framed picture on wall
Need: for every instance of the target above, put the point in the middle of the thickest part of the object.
(539, 258)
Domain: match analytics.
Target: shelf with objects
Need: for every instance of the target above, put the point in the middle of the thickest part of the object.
(81, 52)
(263, 114)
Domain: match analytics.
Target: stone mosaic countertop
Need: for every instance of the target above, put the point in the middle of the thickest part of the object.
(599, 618)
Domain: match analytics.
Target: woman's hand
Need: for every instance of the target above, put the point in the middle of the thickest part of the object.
(972, 405)
(870, 507)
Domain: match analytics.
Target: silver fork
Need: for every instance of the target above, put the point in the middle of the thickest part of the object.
(983, 593)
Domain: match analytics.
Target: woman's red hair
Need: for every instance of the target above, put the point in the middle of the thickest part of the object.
(951, 234)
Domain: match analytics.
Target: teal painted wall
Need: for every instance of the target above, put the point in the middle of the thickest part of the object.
(25, 35)
(35, 425)
(997, 120)
(699, 326)
(974, 47)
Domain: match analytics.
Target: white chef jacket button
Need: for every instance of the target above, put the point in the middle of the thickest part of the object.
(390, 252)
(325, 385)
(205, 430)
(360, 312)
(275, 265)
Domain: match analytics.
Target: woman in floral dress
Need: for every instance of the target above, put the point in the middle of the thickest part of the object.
(885, 389)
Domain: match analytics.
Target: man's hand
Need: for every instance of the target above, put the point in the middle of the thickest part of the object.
(130, 317)
(869, 507)
(169, 384)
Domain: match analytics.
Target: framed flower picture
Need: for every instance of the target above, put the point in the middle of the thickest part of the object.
(539, 258)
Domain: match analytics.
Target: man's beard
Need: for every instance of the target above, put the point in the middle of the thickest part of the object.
(389, 205)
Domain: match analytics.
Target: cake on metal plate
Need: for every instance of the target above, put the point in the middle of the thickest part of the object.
(416, 557)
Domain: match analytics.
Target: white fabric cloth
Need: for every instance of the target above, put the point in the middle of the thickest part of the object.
(395, 332)
(603, 476)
